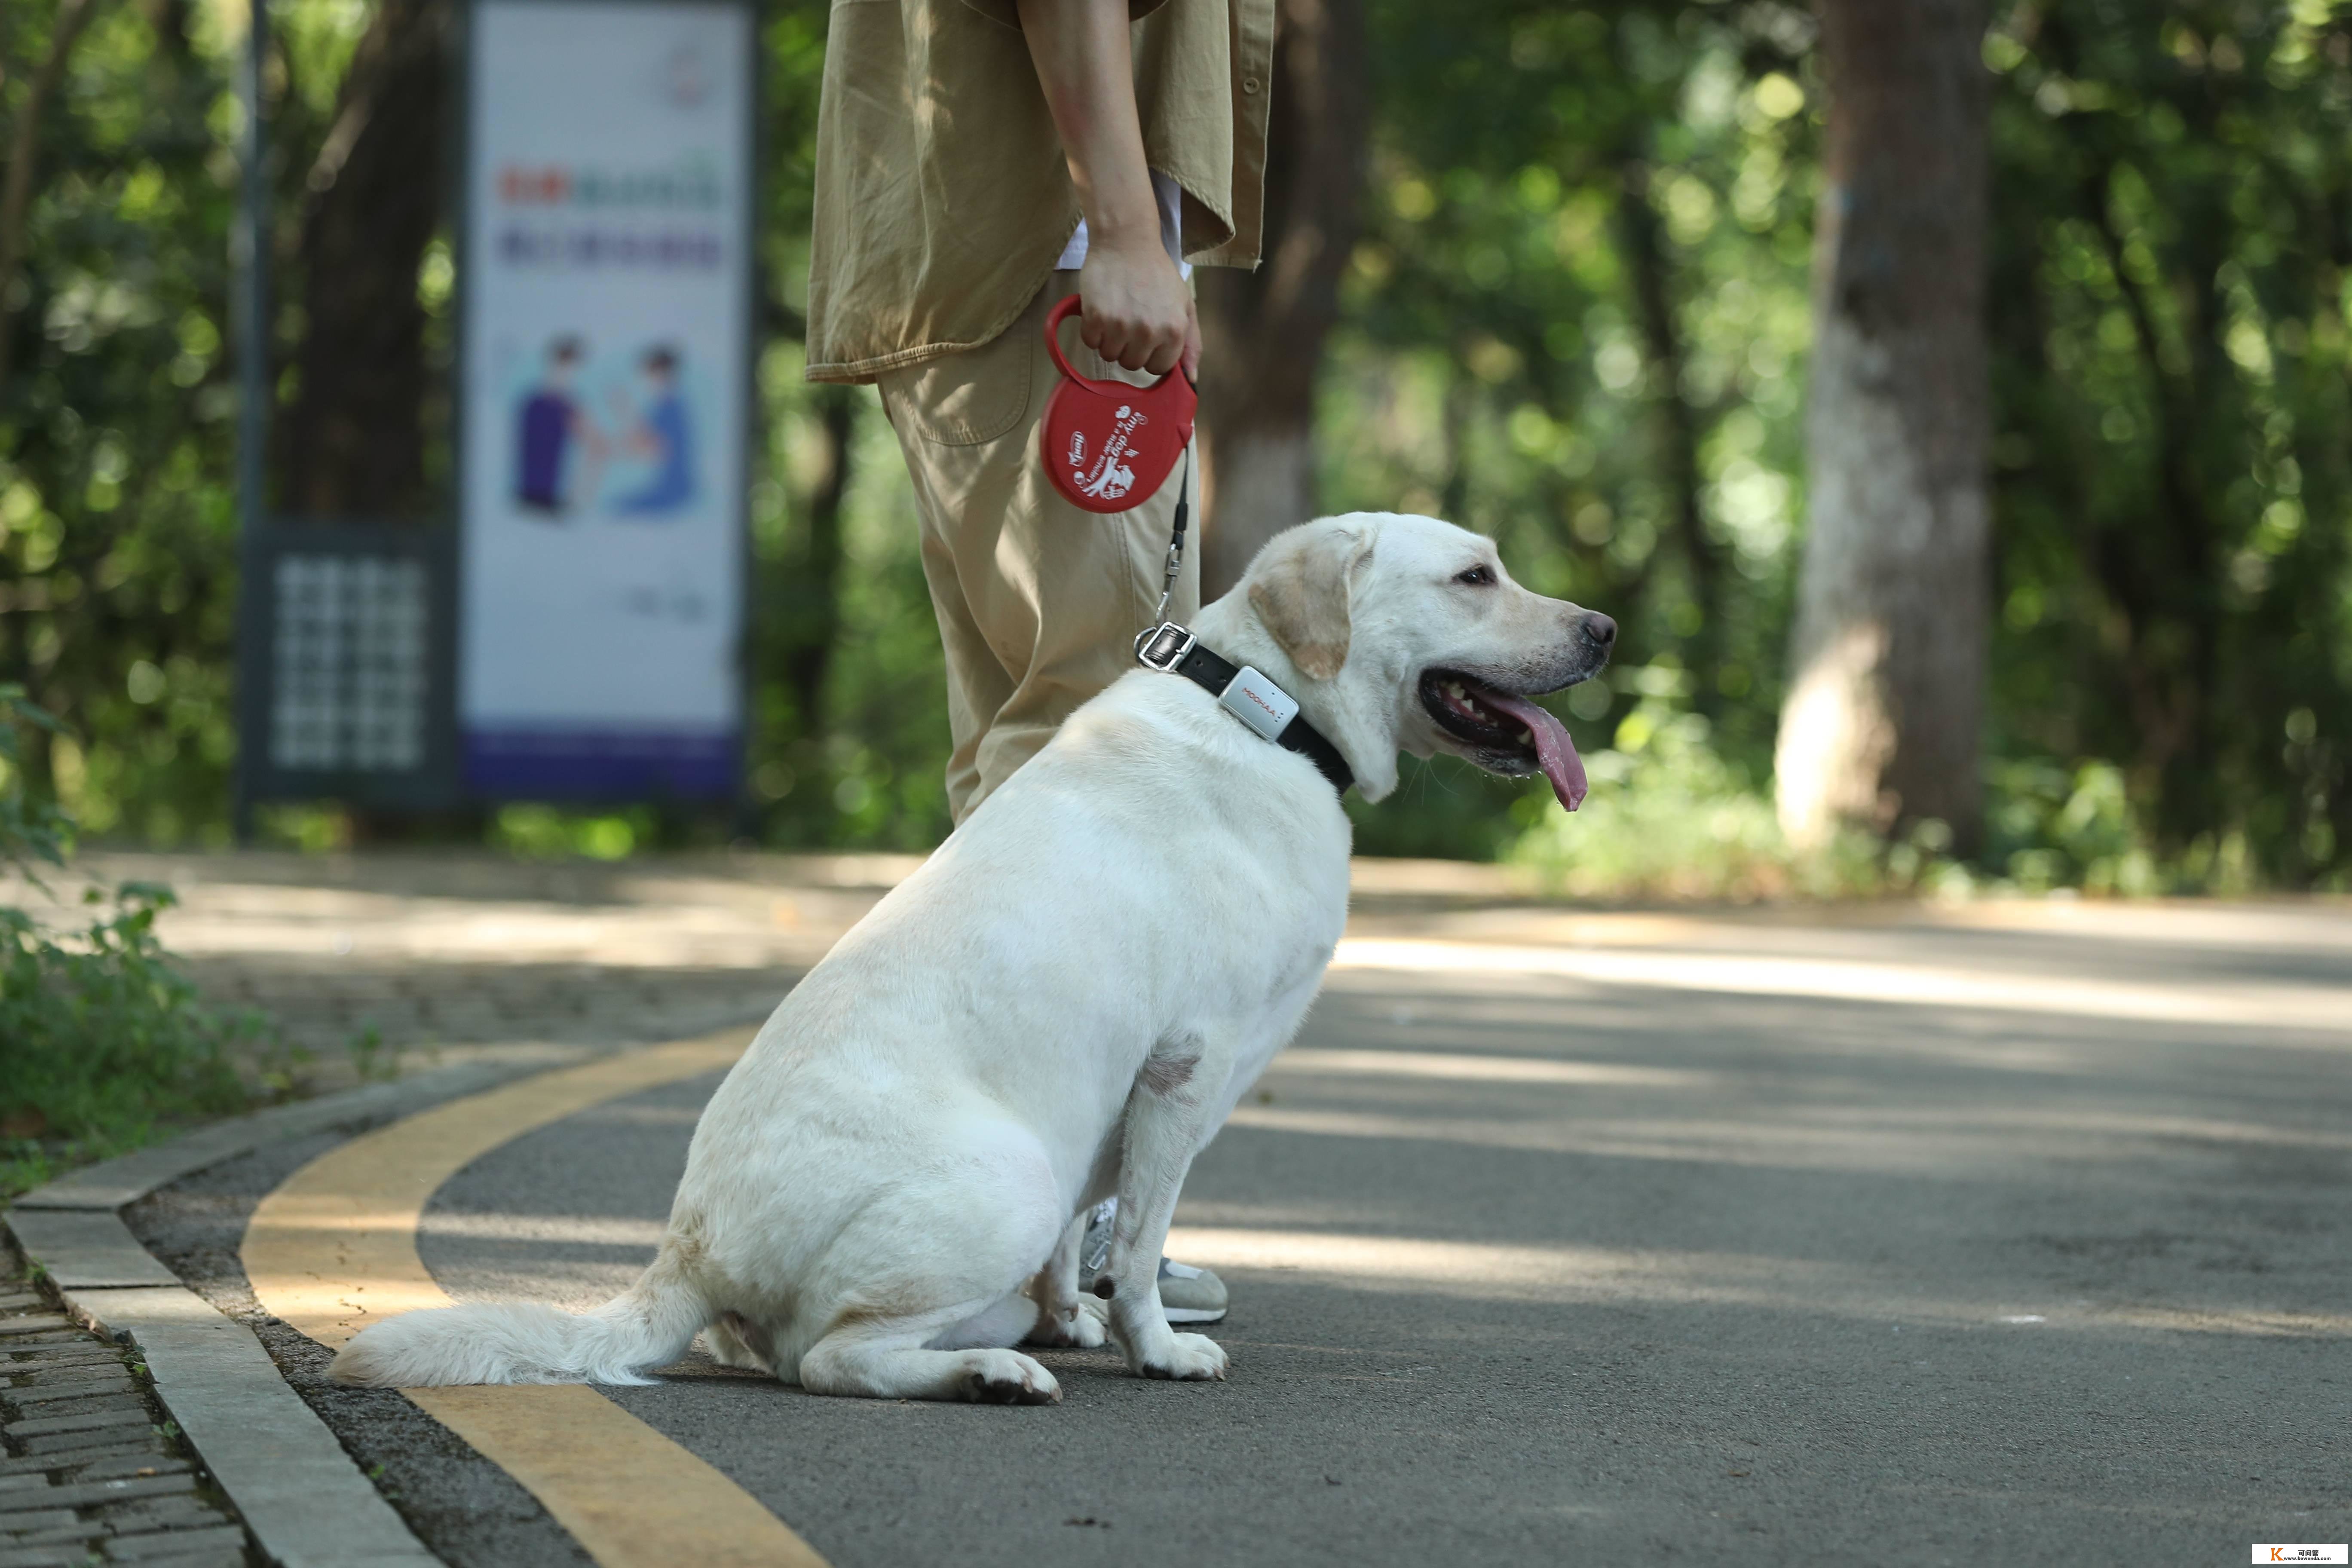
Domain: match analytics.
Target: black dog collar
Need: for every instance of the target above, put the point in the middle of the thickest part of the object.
(1244, 693)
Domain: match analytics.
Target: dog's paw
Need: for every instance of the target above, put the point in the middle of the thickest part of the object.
(1006, 1377)
(1084, 1327)
(1188, 1358)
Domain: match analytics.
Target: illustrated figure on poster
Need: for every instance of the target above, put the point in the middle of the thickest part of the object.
(661, 432)
(548, 426)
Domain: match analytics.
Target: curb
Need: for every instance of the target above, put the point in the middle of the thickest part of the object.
(305, 1501)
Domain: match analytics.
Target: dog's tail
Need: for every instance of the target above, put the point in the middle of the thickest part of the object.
(649, 1324)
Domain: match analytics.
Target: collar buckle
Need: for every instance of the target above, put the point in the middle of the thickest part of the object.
(1163, 647)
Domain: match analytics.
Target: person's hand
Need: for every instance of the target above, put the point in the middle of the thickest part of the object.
(1138, 312)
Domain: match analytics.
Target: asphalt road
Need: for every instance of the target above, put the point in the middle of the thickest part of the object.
(1539, 1267)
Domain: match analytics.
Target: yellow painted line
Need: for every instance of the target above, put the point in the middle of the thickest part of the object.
(334, 1250)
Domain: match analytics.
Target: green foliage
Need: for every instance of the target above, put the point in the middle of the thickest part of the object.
(2174, 397)
(1578, 320)
(551, 832)
(2054, 827)
(1577, 324)
(116, 530)
(864, 766)
(1670, 819)
(2171, 699)
(369, 1060)
(33, 832)
(106, 1041)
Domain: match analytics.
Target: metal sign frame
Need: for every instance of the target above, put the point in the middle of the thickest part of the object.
(431, 784)
(432, 546)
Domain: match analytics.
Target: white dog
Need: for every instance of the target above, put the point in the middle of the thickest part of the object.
(888, 1191)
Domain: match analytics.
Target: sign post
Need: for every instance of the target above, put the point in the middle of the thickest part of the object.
(604, 365)
(579, 635)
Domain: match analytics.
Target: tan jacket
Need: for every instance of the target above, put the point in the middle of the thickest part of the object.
(942, 194)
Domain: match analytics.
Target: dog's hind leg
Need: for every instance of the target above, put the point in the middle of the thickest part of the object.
(1063, 1317)
(736, 1341)
(887, 1360)
(939, 1264)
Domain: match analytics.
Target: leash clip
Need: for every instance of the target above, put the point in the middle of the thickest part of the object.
(1175, 569)
(1163, 647)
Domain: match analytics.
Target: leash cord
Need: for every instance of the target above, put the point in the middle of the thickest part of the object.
(1176, 540)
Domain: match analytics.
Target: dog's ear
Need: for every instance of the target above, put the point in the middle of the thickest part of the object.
(1299, 588)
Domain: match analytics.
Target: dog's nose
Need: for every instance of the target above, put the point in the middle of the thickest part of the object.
(1600, 630)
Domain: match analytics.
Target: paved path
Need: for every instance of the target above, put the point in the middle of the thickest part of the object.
(92, 1471)
(2015, 1234)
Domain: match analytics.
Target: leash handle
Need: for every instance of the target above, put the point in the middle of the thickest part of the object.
(1063, 309)
(1176, 538)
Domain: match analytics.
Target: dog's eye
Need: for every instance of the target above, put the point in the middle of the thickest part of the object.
(1476, 577)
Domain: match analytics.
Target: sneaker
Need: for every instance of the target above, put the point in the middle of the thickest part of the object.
(1188, 1295)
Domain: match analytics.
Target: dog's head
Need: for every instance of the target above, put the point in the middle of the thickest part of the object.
(1405, 632)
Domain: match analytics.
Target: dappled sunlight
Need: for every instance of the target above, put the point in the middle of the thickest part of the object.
(1989, 1146)
(2227, 1320)
(571, 1285)
(1571, 1275)
(1753, 1040)
(650, 1115)
(1468, 1069)
(2314, 1008)
(570, 1230)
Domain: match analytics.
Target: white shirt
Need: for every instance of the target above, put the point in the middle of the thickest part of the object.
(1171, 229)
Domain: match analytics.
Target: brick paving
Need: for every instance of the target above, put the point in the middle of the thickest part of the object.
(94, 1472)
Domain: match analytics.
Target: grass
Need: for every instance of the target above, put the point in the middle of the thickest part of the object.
(1670, 820)
(108, 1047)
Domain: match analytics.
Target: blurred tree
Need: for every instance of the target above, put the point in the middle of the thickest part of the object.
(1576, 323)
(2174, 452)
(24, 158)
(1650, 273)
(116, 539)
(1262, 331)
(352, 442)
(1574, 315)
(1885, 714)
(808, 604)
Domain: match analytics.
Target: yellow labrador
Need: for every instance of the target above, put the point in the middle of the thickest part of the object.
(886, 1195)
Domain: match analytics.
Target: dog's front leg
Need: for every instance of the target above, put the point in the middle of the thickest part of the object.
(1064, 1317)
(1168, 1113)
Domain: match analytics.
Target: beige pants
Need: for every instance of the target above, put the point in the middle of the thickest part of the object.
(1038, 602)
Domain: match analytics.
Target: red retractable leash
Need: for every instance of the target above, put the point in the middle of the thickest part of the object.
(1107, 447)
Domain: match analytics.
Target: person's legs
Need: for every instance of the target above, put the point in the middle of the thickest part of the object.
(1038, 601)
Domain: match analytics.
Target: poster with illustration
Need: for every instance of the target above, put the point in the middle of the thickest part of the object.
(604, 284)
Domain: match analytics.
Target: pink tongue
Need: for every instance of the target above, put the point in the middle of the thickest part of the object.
(1555, 752)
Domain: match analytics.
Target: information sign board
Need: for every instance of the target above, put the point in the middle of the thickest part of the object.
(604, 341)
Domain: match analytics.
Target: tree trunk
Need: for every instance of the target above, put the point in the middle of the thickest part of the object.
(1261, 332)
(2164, 572)
(354, 442)
(813, 621)
(1678, 428)
(24, 149)
(1886, 696)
